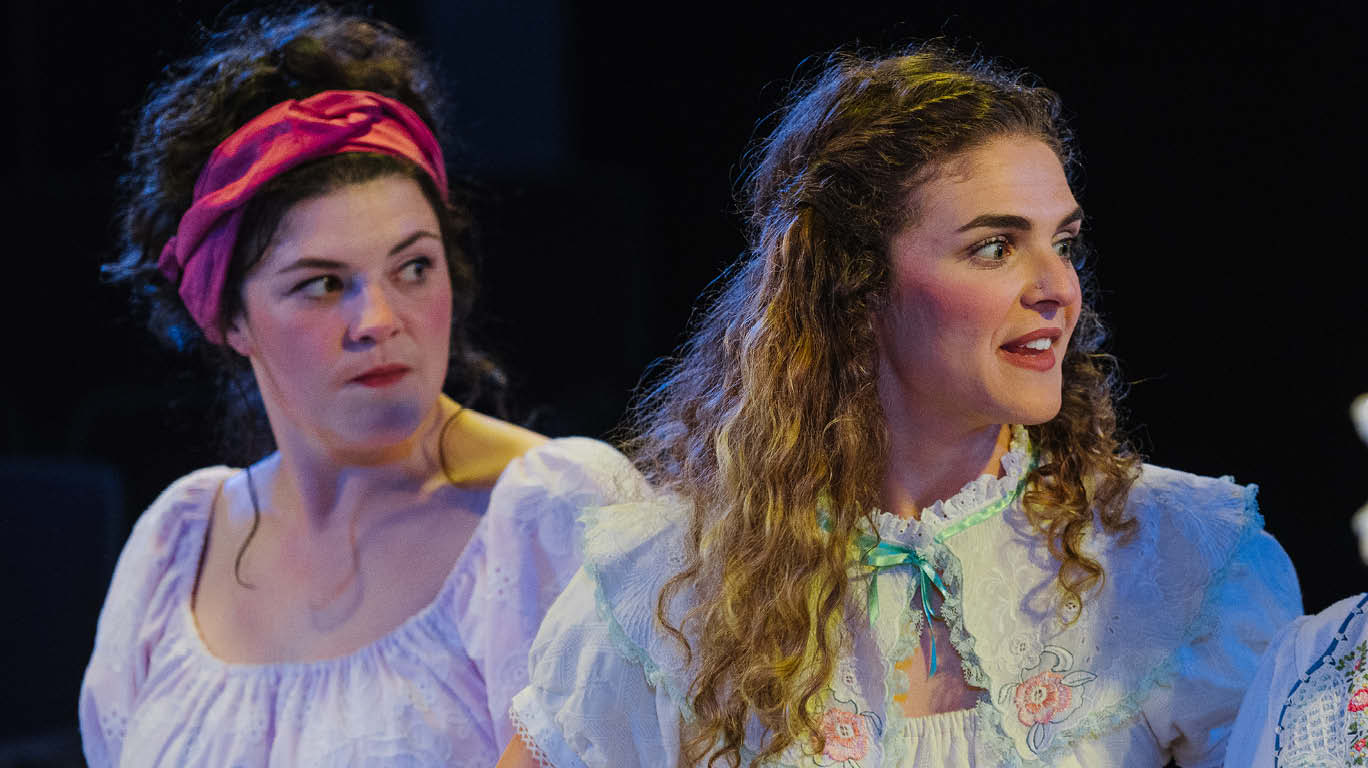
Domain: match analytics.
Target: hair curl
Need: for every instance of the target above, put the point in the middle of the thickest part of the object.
(252, 63)
(772, 403)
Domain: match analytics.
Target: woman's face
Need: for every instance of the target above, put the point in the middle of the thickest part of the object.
(347, 317)
(983, 296)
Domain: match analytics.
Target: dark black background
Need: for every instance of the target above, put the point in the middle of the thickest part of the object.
(1223, 150)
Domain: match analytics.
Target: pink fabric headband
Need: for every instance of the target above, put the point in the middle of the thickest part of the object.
(281, 138)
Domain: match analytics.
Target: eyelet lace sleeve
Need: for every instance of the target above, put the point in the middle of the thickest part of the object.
(531, 549)
(589, 703)
(606, 683)
(140, 603)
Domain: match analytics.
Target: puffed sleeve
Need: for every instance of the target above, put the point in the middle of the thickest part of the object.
(141, 600)
(1248, 600)
(530, 549)
(589, 703)
(607, 681)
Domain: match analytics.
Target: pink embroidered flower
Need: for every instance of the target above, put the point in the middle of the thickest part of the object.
(1361, 744)
(845, 735)
(1042, 697)
(1359, 701)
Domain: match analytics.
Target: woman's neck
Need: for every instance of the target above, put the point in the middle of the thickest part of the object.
(318, 488)
(927, 464)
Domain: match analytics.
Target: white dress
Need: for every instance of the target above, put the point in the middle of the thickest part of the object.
(1308, 704)
(1153, 668)
(432, 692)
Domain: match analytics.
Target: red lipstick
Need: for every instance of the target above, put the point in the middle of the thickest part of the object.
(382, 376)
(1017, 353)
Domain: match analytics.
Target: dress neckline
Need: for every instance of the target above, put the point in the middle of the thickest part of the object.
(984, 494)
(200, 515)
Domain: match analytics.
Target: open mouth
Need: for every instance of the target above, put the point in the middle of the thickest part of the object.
(1034, 351)
(1035, 346)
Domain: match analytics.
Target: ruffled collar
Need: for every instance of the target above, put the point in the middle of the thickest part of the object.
(978, 495)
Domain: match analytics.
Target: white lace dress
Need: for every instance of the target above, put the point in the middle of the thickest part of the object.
(1153, 668)
(432, 692)
(1308, 704)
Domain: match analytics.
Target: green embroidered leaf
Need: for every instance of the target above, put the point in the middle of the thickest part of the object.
(1005, 693)
(1035, 738)
(1078, 677)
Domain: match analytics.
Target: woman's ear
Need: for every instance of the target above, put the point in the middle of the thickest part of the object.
(239, 335)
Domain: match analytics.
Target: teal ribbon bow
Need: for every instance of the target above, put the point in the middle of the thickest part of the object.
(881, 555)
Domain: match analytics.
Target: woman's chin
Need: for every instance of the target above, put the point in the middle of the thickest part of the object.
(1033, 413)
(379, 429)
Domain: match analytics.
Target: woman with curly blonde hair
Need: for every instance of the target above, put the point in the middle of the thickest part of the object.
(895, 523)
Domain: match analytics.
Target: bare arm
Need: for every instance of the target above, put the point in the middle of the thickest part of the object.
(518, 756)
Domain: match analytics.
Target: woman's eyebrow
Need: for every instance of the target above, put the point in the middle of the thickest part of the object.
(1077, 215)
(314, 263)
(308, 263)
(411, 239)
(1012, 221)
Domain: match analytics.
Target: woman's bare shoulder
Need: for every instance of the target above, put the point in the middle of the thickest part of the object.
(477, 447)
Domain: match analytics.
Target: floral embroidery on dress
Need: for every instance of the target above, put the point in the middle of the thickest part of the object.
(849, 732)
(1045, 694)
(1352, 666)
(1324, 720)
(1041, 698)
(1022, 646)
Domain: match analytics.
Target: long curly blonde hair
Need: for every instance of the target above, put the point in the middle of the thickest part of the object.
(772, 402)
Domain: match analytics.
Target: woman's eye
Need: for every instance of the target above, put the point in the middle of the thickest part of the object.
(995, 250)
(1071, 250)
(415, 271)
(318, 287)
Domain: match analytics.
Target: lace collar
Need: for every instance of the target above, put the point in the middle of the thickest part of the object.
(985, 494)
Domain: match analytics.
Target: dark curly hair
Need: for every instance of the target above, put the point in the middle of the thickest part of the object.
(250, 64)
(772, 405)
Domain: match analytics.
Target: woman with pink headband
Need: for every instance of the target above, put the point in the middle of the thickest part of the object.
(367, 592)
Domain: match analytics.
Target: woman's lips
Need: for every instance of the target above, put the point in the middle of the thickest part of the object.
(1034, 351)
(382, 376)
(1035, 360)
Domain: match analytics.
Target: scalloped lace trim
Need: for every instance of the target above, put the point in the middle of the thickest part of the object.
(952, 609)
(524, 735)
(974, 496)
(895, 681)
(895, 684)
(655, 676)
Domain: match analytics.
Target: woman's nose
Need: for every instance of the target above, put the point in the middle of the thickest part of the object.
(1054, 283)
(375, 319)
